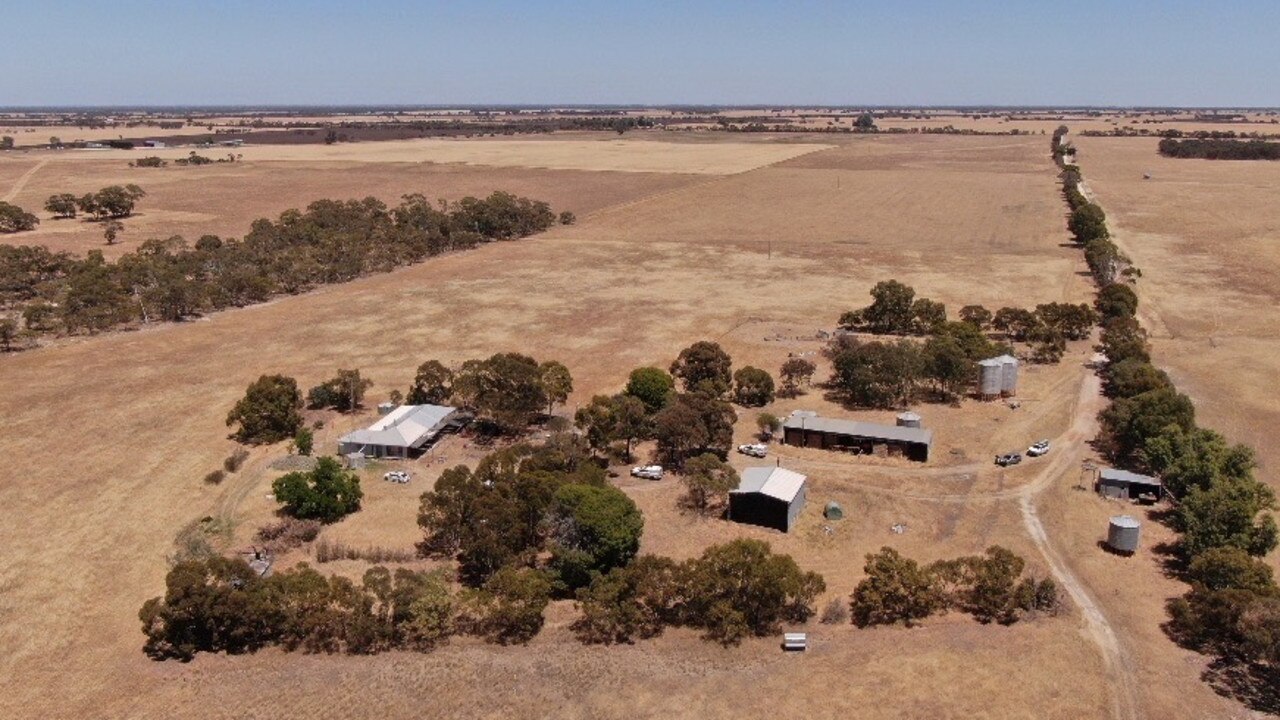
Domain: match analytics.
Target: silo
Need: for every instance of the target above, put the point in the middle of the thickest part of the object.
(990, 377)
(1122, 534)
(909, 419)
(1008, 375)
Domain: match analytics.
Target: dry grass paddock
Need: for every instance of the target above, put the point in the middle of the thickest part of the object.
(107, 439)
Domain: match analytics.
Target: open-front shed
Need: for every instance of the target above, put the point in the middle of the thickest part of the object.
(815, 431)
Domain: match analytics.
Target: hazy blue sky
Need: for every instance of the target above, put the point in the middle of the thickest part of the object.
(1097, 52)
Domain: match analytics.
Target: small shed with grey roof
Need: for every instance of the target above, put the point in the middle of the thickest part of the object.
(808, 430)
(404, 432)
(768, 496)
(1127, 485)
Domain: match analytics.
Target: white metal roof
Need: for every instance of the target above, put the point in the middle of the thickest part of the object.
(1124, 476)
(861, 429)
(1125, 521)
(776, 482)
(406, 426)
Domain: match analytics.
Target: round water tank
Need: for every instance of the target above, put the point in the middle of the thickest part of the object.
(1122, 534)
(1009, 376)
(990, 377)
(909, 419)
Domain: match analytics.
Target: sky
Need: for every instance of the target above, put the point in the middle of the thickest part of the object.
(900, 52)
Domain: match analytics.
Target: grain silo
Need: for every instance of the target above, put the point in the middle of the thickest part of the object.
(1123, 533)
(909, 419)
(990, 377)
(1008, 375)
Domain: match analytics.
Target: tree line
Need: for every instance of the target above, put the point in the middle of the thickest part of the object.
(168, 279)
(1214, 149)
(1222, 512)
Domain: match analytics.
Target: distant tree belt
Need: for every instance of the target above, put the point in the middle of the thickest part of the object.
(330, 242)
(1213, 149)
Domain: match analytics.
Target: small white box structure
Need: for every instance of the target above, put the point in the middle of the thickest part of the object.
(795, 642)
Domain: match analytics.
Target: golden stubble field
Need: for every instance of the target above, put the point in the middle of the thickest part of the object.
(107, 439)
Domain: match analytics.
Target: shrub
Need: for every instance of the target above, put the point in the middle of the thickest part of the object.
(235, 460)
(287, 534)
(215, 477)
(304, 440)
(836, 612)
(331, 550)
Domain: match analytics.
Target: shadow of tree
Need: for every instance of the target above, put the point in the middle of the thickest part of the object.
(1254, 684)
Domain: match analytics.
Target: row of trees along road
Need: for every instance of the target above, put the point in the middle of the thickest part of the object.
(1222, 512)
(170, 279)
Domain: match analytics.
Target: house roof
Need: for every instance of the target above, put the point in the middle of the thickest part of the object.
(1124, 476)
(407, 426)
(776, 482)
(861, 429)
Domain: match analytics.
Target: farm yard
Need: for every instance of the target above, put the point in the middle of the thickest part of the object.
(756, 243)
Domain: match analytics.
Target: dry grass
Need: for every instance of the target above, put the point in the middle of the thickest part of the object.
(626, 287)
(604, 153)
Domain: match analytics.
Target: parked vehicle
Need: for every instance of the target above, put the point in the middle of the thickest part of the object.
(397, 476)
(1038, 449)
(1008, 459)
(647, 472)
(758, 450)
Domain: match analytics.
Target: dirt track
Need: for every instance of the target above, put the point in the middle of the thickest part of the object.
(21, 182)
(1069, 452)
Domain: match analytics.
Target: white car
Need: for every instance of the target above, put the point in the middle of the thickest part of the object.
(397, 476)
(1038, 449)
(648, 472)
(754, 450)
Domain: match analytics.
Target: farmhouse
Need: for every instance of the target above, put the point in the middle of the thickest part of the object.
(811, 430)
(1127, 485)
(401, 433)
(768, 496)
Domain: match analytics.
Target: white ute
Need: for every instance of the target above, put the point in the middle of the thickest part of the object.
(648, 472)
(754, 450)
(397, 476)
(1040, 448)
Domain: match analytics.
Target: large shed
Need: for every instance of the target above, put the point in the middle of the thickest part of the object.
(401, 433)
(1127, 485)
(809, 430)
(768, 496)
